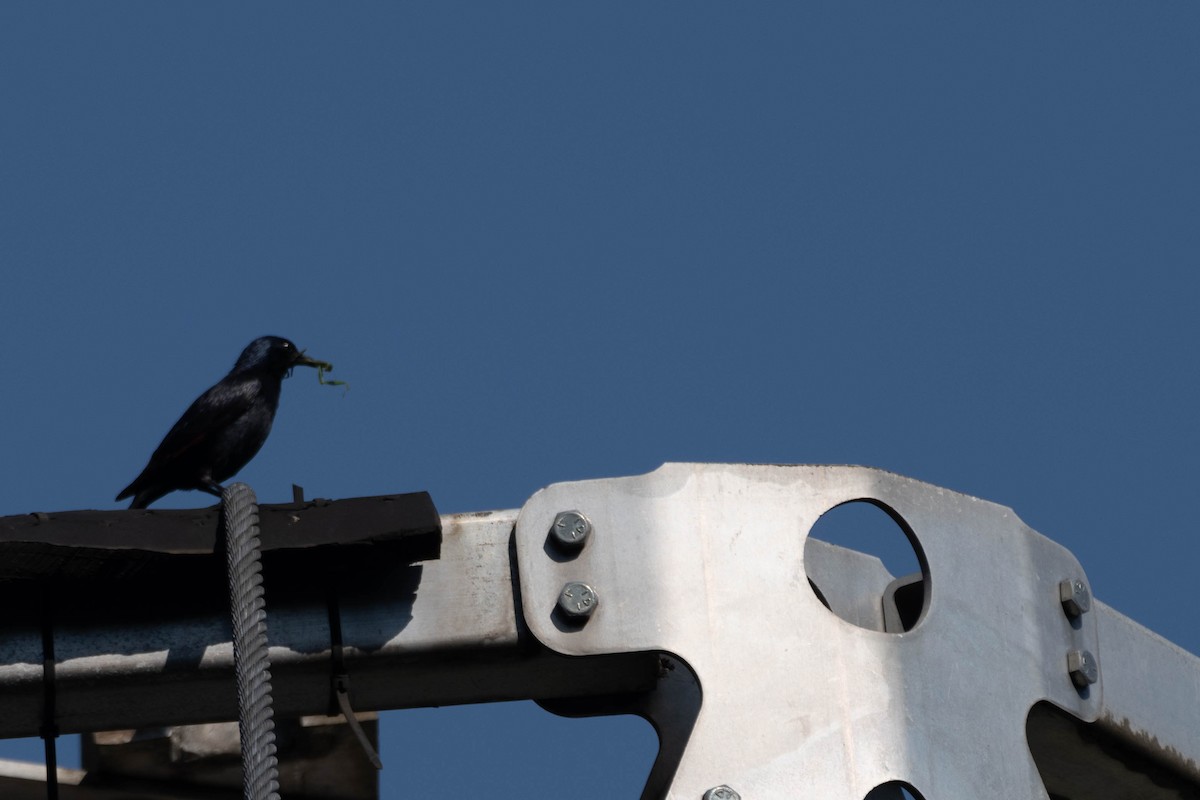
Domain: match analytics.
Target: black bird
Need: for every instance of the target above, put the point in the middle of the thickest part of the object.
(223, 429)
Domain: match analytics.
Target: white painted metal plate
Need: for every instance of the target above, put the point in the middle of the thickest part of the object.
(707, 562)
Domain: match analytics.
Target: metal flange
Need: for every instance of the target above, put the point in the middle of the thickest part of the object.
(706, 562)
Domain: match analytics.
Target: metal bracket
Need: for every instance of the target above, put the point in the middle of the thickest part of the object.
(706, 563)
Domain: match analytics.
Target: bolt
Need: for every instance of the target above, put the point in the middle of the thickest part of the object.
(1083, 668)
(721, 792)
(1075, 597)
(571, 529)
(578, 600)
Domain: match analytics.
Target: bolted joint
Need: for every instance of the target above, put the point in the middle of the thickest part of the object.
(570, 530)
(721, 792)
(1075, 597)
(578, 600)
(1083, 668)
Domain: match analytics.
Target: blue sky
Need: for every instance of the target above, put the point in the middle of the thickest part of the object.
(565, 241)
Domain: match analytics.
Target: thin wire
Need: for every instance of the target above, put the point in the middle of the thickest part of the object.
(49, 730)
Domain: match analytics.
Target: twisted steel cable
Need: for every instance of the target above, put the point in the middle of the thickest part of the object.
(239, 520)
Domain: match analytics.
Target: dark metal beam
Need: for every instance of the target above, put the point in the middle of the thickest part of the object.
(113, 545)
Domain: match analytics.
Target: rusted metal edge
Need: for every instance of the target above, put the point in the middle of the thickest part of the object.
(1151, 693)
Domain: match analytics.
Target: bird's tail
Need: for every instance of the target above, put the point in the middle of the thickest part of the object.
(142, 497)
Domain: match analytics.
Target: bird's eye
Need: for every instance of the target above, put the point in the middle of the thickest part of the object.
(287, 345)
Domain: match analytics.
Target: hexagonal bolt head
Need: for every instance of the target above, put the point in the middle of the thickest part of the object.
(1083, 668)
(721, 792)
(578, 600)
(570, 530)
(1075, 597)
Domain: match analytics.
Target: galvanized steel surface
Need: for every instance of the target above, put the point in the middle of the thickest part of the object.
(706, 562)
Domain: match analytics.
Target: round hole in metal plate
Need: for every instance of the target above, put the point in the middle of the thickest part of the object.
(865, 564)
(894, 790)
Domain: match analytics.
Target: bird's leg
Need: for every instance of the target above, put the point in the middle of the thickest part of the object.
(211, 486)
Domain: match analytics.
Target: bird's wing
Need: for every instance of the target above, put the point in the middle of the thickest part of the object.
(210, 414)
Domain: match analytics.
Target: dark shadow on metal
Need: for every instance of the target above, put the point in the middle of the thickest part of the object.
(117, 545)
(1087, 761)
(903, 601)
(130, 573)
